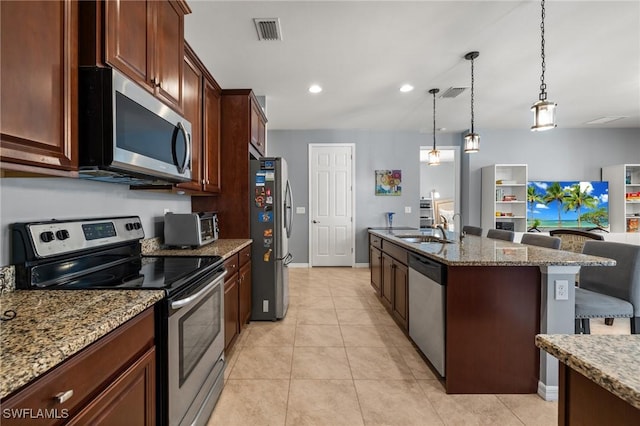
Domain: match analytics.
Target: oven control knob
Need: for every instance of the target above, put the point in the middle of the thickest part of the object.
(129, 226)
(137, 225)
(47, 236)
(62, 234)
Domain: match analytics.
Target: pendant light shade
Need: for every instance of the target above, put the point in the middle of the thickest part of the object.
(472, 139)
(544, 112)
(434, 154)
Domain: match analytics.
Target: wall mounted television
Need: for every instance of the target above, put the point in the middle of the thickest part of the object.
(567, 204)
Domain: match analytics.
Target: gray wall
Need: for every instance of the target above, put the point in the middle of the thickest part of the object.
(441, 178)
(374, 150)
(27, 199)
(566, 154)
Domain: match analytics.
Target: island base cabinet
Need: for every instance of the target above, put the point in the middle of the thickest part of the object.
(492, 318)
(583, 402)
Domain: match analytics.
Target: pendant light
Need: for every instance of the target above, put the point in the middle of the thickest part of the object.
(544, 112)
(472, 139)
(434, 154)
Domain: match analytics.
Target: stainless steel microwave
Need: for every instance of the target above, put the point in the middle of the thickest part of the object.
(126, 135)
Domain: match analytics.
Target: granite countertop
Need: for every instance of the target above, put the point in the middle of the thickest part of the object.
(225, 248)
(611, 361)
(482, 251)
(52, 325)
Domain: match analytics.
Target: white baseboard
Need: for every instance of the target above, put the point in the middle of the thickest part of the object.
(298, 265)
(548, 393)
(306, 265)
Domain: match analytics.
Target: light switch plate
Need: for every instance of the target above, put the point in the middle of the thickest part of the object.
(407, 209)
(300, 210)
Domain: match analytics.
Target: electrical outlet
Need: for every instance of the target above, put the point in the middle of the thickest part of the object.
(265, 305)
(407, 209)
(562, 289)
(300, 210)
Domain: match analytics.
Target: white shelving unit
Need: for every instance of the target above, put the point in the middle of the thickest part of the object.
(504, 197)
(624, 196)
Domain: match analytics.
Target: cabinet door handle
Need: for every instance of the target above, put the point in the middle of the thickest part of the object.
(64, 396)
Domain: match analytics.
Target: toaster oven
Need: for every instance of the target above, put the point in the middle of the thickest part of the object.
(190, 229)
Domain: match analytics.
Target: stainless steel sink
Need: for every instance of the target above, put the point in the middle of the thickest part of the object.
(424, 239)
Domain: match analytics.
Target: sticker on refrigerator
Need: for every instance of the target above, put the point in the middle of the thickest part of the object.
(270, 176)
(267, 242)
(268, 232)
(267, 255)
(260, 179)
(265, 217)
(269, 200)
(259, 201)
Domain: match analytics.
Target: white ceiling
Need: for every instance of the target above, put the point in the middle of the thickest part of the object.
(361, 52)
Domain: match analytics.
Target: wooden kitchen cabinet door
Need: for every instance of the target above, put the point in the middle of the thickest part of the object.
(375, 260)
(211, 149)
(230, 311)
(144, 40)
(244, 281)
(400, 294)
(386, 289)
(192, 107)
(39, 81)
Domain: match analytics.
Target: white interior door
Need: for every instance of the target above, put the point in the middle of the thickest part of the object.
(331, 237)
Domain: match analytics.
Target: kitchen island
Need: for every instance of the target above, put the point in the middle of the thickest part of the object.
(599, 378)
(498, 296)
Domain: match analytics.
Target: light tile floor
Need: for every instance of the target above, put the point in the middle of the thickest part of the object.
(339, 359)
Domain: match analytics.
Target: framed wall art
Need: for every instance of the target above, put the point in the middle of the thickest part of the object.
(388, 182)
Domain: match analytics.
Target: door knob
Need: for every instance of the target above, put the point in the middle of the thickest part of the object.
(314, 221)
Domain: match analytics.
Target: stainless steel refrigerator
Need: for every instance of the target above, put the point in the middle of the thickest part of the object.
(271, 221)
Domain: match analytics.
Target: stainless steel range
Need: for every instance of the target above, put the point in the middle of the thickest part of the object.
(105, 254)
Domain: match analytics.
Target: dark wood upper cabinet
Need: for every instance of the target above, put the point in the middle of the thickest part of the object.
(201, 106)
(39, 80)
(142, 39)
(239, 111)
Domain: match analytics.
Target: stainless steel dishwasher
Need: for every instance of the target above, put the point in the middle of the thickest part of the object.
(427, 295)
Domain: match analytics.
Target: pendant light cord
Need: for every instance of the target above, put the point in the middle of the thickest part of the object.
(434, 120)
(543, 86)
(472, 81)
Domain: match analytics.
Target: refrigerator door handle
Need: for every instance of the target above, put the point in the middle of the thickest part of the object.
(288, 209)
(287, 259)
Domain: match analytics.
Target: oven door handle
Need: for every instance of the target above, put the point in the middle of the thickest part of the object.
(183, 302)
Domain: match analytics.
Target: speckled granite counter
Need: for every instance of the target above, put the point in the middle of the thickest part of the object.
(50, 326)
(482, 251)
(225, 248)
(610, 361)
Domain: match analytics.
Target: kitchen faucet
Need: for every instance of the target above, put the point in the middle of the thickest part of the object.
(441, 229)
(453, 219)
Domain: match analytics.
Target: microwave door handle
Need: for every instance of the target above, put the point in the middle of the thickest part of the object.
(187, 151)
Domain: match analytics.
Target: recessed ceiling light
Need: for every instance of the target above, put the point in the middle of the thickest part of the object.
(603, 120)
(406, 88)
(314, 88)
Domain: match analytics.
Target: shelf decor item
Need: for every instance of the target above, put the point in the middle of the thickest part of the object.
(544, 112)
(388, 182)
(471, 139)
(434, 154)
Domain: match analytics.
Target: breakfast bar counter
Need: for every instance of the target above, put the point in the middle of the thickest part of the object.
(498, 296)
(599, 377)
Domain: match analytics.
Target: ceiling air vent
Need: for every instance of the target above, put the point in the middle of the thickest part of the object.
(453, 92)
(268, 28)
